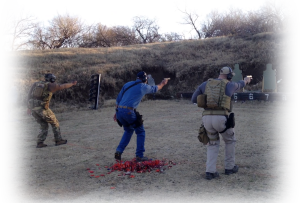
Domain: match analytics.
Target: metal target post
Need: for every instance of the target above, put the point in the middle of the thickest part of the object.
(95, 90)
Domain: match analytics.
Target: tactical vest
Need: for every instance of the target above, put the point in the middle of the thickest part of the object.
(214, 100)
(40, 96)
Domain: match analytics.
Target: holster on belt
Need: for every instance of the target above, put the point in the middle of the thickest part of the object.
(230, 123)
(139, 119)
(119, 123)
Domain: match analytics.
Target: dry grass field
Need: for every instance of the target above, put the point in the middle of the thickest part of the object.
(59, 173)
(188, 63)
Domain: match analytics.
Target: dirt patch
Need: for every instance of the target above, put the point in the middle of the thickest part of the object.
(59, 173)
(63, 194)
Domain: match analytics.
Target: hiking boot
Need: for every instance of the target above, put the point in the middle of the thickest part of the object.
(231, 171)
(60, 142)
(40, 145)
(118, 155)
(139, 159)
(210, 176)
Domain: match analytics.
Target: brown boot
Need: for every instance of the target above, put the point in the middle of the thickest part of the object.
(60, 142)
(40, 145)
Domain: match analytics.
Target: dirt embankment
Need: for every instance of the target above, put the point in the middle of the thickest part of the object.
(188, 63)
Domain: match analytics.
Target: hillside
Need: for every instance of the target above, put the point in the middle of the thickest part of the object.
(187, 63)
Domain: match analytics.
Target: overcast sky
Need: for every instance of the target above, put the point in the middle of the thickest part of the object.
(121, 12)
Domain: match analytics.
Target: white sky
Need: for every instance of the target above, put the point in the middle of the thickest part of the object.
(121, 12)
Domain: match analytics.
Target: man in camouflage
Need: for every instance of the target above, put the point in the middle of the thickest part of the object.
(39, 98)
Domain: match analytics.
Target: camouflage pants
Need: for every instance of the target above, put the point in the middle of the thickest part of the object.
(43, 117)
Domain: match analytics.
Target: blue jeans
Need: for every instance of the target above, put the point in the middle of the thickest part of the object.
(127, 117)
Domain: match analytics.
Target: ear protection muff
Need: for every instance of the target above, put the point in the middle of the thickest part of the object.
(50, 77)
(229, 75)
(143, 76)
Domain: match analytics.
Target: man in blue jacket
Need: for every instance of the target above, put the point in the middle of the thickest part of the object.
(126, 115)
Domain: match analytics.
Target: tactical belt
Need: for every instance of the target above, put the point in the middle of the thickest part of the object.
(215, 112)
(36, 104)
(126, 107)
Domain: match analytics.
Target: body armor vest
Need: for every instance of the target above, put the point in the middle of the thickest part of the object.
(40, 96)
(214, 100)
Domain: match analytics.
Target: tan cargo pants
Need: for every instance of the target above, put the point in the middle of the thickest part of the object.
(214, 124)
(44, 117)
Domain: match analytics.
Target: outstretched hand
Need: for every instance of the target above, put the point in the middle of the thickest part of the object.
(247, 80)
(74, 82)
(165, 81)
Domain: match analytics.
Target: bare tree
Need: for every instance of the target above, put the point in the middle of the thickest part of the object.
(279, 15)
(211, 27)
(191, 19)
(22, 28)
(14, 28)
(39, 38)
(63, 31)
(269, 18)
(102, 36)
(124, 36)
(147, 30)
(99, 36)
(252, 24)
(171, 37)
(232, 22)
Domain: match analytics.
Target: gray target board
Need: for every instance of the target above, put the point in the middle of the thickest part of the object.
(238, 73)
(269, 80)
(150, 80)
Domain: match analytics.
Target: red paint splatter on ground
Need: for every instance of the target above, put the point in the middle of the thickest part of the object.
(128, 167)
(141, 167)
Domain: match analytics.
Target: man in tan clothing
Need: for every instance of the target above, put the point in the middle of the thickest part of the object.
(39, 98)
(218, 118)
